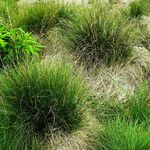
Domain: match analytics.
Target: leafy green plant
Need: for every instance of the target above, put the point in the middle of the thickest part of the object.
(38, 99)
(121, 135)
(98, 36)
(16, 44)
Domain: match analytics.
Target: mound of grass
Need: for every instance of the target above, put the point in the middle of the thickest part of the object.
(40, 17)
(37, 100)
(120, 135)
(136, 9)
(99, 36)
(139, 8)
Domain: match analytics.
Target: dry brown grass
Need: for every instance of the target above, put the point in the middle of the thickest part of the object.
(78, 140)
(119, 82)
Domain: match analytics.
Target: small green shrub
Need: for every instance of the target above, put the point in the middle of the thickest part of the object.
(41, 17)
(121, 135)
(38, 99)
(98, 36)
(15, 45)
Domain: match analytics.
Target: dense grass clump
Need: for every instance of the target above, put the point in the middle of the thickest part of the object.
(40, 17)
(120, 135)
(37, 100)
(139, 8)
(99, 36)
(46, 104)
(136, 9)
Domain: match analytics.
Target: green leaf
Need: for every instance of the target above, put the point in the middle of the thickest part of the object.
(2, 43)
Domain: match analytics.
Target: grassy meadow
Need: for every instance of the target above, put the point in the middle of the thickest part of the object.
(75, 76)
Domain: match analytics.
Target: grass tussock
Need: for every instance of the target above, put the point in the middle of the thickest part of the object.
(41, 17)
(139, 105)
(138, 8)
(38, 99)
(99, 36)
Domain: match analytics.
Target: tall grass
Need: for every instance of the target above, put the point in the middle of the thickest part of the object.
(45, 105)
(7, 10)
(120, 135)
(139, 8)
(139, 106)
(38, 99)
(40, 17)
(99, 36)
